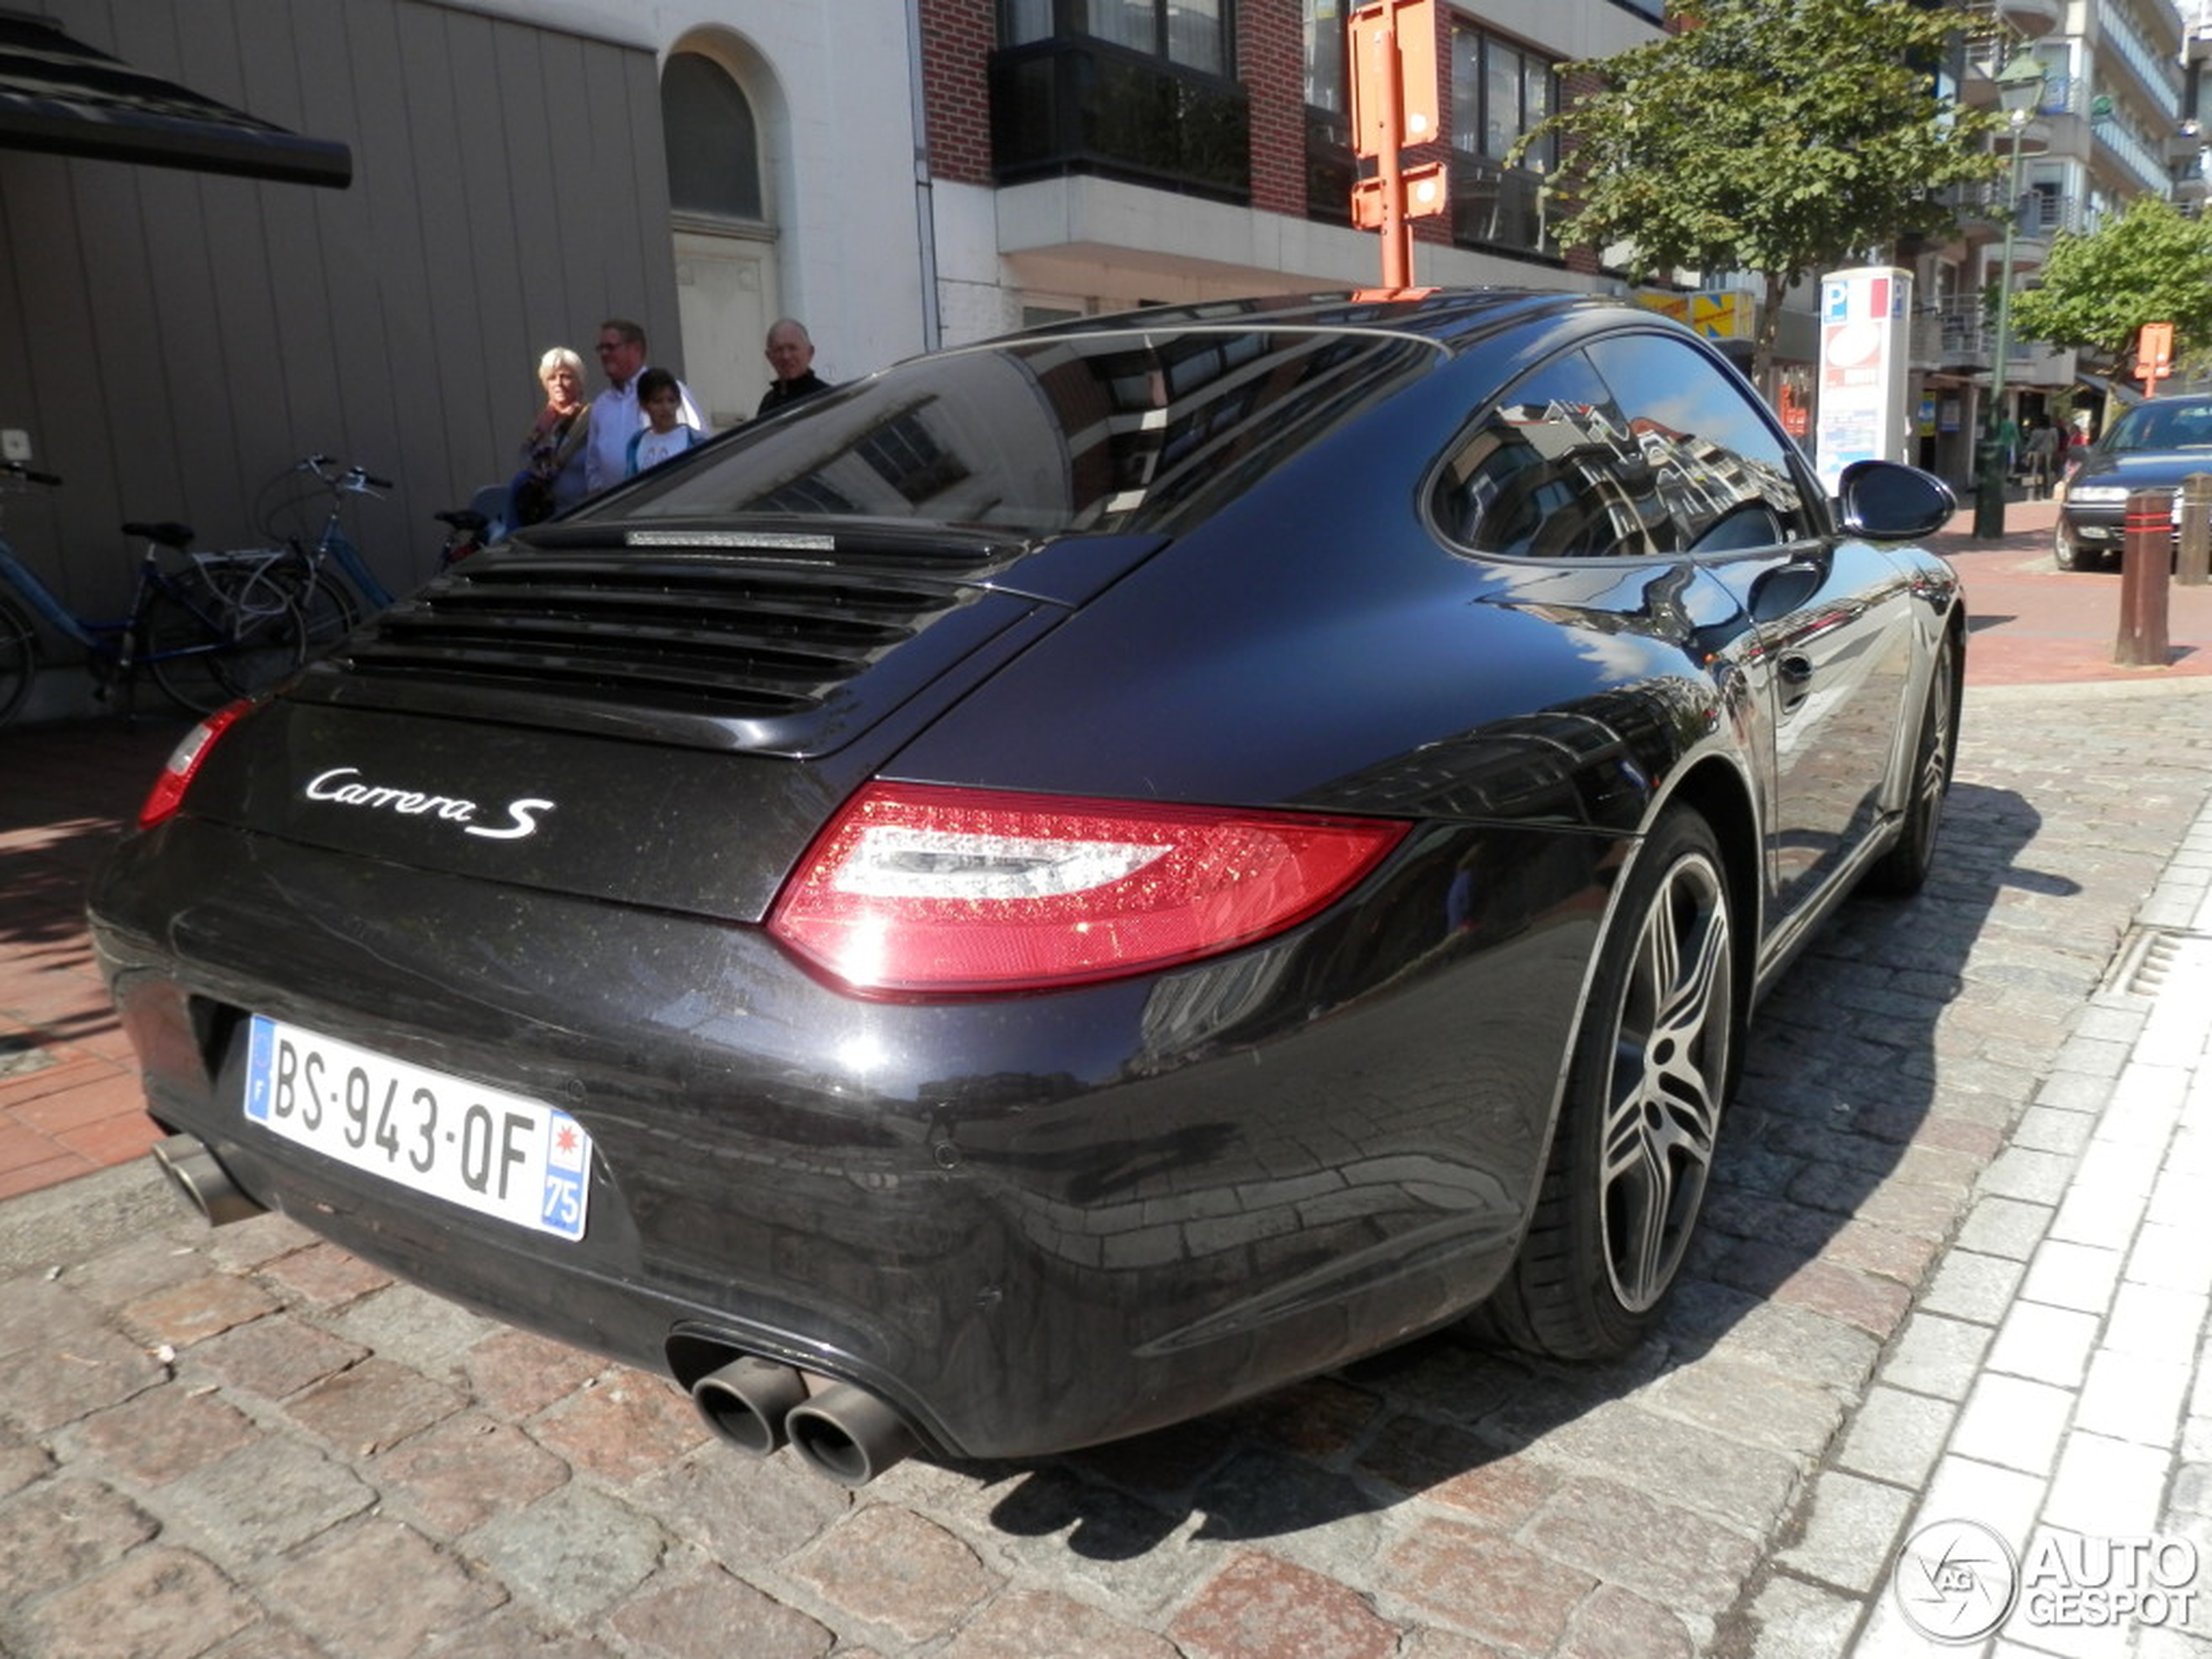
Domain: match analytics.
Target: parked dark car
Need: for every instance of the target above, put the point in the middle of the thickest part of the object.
(1069, 882)
(2152, 446)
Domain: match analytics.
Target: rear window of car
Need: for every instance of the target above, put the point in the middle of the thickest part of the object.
(1111, 433)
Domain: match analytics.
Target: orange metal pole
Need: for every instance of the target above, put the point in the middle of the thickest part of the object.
(1396, 229)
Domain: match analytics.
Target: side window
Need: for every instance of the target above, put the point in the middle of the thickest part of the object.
(1551, 471)
(1720, 469)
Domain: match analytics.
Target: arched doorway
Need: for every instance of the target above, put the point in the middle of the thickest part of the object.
(723, 225)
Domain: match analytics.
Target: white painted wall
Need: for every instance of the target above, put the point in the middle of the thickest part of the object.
(829, 82)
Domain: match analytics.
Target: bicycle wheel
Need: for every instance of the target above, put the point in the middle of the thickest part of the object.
(202, 654)
(330, 611)
(18, 659)
(253, 583)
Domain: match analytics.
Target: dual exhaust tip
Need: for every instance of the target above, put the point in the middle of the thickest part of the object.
(838, 1431)
(208, 1186)
(758, 1405)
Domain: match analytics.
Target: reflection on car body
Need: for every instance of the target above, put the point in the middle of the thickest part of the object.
(1093, 874)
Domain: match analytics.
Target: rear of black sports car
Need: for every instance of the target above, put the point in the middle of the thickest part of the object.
(995, 979)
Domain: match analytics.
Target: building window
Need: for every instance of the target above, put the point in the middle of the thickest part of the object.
(1192, 33)
(1327, 73)
(713, 142)
(1500, 91)
(1138, 90)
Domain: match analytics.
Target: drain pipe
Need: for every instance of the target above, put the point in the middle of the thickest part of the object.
(925, 202)
(193, 1170)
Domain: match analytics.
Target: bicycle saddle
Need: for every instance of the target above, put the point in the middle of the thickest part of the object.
(168, 532)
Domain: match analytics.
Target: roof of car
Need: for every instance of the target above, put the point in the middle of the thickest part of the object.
(1449, 317)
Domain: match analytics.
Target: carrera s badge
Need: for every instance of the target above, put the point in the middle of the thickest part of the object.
(343, 786)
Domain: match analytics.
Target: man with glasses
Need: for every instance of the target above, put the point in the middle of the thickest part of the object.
(616, 416)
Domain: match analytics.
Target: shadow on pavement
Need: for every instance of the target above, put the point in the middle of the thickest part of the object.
(1809, 1250)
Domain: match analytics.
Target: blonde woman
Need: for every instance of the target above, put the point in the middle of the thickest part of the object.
(551, 480)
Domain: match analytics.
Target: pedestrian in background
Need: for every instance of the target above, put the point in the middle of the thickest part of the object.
(791, 355)
(2041, 457)
(663, 437)
(616, 413)
(551, 479)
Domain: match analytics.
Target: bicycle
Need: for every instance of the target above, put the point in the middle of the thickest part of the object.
(204, 646)
(331, 606)
(466, 530)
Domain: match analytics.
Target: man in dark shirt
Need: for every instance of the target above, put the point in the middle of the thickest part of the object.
(791, 354)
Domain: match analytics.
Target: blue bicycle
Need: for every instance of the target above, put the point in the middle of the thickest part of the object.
(325, 577)
(206, 635)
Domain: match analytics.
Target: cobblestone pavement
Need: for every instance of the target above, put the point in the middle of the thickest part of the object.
(1954, 1272)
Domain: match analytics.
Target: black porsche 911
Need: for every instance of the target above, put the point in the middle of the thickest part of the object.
(1070, 881)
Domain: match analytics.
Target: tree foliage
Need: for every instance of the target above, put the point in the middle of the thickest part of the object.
(1778, 136)
(2148, 264)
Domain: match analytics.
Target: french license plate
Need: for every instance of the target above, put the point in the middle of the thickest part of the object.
(499, 1154)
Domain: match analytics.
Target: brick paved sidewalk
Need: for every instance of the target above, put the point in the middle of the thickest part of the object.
(70, 1101)
(242, 1442)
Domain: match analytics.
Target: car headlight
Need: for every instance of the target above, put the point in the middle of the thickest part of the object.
(2097, 495)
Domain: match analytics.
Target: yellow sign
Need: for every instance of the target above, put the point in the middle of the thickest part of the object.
(1720, 314)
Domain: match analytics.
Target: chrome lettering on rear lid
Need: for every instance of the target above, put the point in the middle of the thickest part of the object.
(342, 786)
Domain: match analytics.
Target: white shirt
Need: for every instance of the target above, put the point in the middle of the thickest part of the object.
(614, 417)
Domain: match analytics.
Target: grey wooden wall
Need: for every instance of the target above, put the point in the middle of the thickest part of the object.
(172, 341)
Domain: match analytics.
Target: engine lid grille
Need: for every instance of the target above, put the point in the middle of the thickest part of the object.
(758, 645)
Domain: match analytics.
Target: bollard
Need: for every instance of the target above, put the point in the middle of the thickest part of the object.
(2145, 564)
(2193, 565)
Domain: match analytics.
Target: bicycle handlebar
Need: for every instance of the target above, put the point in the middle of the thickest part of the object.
(354, 478)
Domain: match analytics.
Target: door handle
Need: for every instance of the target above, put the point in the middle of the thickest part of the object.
(1794, 669)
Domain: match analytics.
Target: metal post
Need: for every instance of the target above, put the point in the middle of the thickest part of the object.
(1396, 229)
(1989, 493)
(2193, 565)
(2146, 557)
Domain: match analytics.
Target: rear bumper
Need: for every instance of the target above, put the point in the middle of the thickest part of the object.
(1028, 1223)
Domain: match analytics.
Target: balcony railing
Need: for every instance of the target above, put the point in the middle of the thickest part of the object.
(1067, 105)
(1960, 336)
(2156, 72)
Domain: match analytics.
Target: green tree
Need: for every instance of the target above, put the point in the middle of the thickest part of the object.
(1783, 137)
(2147, 264)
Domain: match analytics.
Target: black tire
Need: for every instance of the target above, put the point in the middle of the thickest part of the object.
(227, 656)
(1639, 1113)
(1904, 869)
(18, 659)
(2068, 554)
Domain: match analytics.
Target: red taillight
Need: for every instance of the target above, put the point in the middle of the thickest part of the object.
(921, 890)
(168, 791)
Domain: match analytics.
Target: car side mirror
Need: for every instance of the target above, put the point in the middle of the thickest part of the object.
(1886, 500)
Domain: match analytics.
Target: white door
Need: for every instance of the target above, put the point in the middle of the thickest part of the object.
(725, 298)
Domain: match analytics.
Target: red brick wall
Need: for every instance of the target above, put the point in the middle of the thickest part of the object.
(956, 40)
(1572, 88)
(1271, 64)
